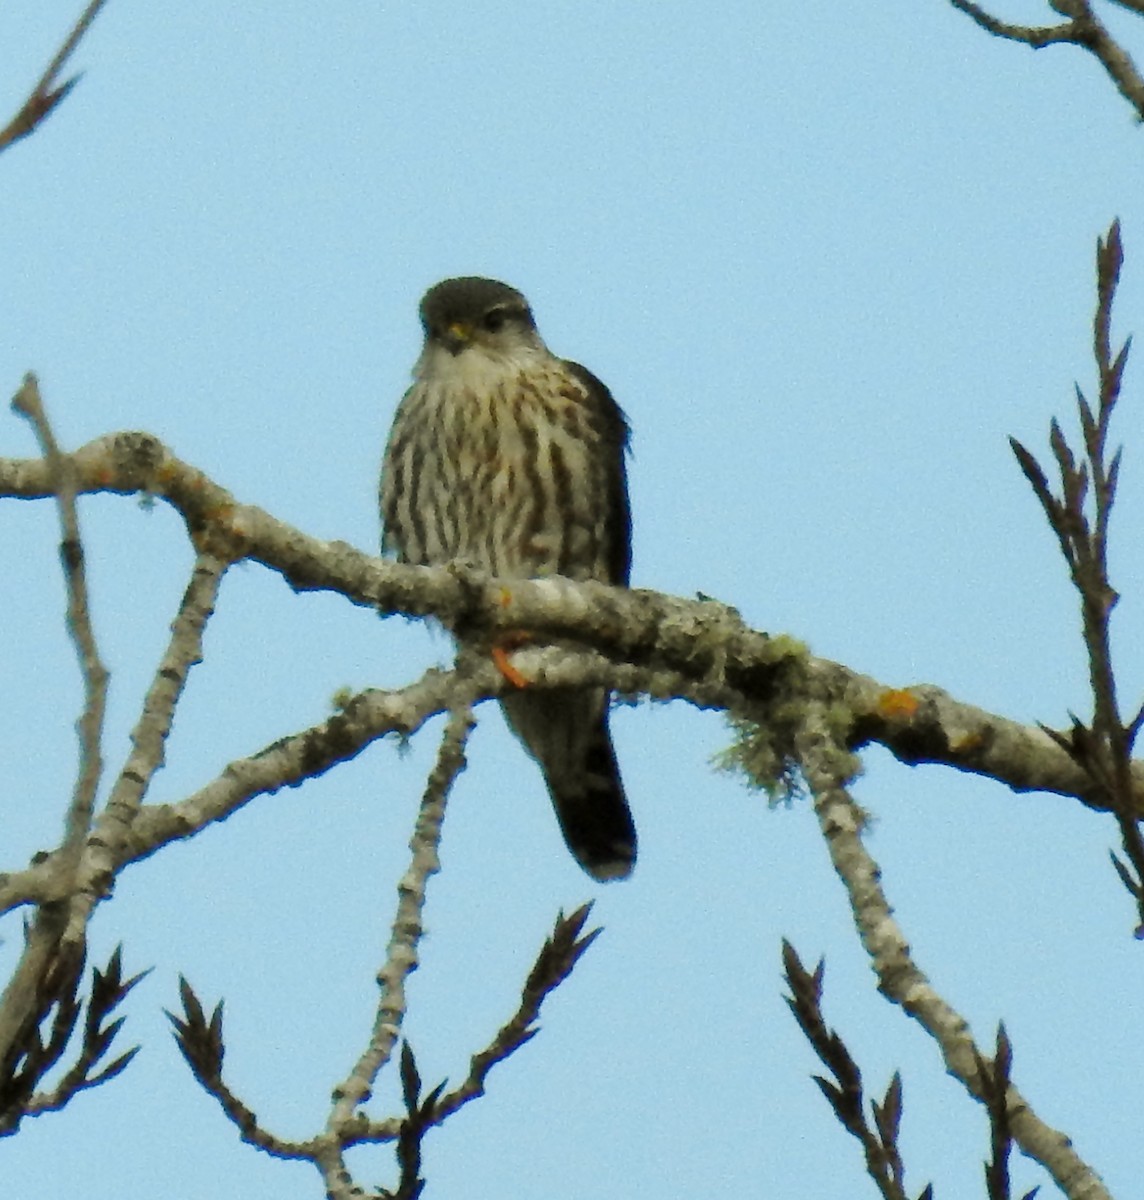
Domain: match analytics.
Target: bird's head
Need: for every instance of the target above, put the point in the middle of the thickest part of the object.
(471, 312)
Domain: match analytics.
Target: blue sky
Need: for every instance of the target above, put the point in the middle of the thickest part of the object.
(828, 257)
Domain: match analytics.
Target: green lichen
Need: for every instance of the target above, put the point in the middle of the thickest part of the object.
(766, 749)
(763, 754)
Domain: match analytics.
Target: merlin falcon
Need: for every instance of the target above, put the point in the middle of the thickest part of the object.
(507, 458)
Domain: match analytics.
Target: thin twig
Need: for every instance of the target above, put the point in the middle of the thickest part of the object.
(200, 1041)
(879, 1138)
(1104, 749)
(183, 652)
(27, 403)
(111, 847)
(558, 956)
(52, 962)
(45, 96)
(418, 1120)
(1083, 29)
(1030, 35)
(402, 955)
(108, 991)
(45, 978)
(995, 1083)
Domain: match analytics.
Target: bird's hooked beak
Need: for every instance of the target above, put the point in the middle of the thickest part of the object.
(457, 336)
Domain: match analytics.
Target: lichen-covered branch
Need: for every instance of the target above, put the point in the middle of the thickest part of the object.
(43, 987)
(660, 645)
(401, 960)
(402, 955)
(826, 769)
(29, 404)
(792, 711)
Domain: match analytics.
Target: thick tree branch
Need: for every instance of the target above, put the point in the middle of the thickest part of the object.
(920, 725)
(638, 642)
(698, 649)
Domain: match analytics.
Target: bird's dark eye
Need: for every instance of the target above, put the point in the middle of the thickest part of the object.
(495, 319)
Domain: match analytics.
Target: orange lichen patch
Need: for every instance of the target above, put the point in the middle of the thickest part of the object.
(504, 597)
(500, 661)
(897, 704)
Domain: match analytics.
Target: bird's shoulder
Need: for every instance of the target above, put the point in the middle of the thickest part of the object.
(600, 400)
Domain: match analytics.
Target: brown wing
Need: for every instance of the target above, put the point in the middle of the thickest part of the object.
(614, 434)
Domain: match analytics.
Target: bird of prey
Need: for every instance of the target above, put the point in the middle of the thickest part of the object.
(507, 458)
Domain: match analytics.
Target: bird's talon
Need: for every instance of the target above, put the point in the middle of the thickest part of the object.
(502, 664)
